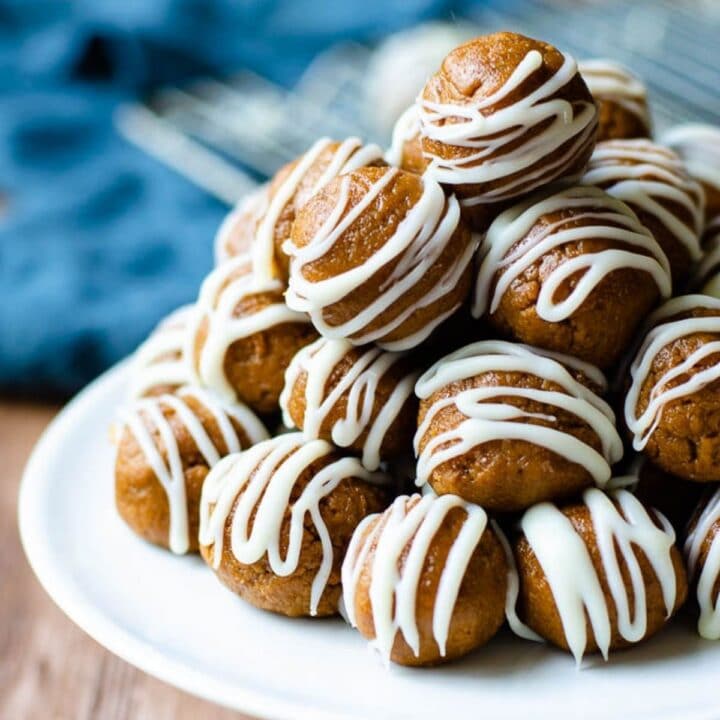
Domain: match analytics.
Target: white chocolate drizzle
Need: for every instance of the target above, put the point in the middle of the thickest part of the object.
(360, 385)
(646, 175)
(258, 484)
(604, 217)
(417, 243)
(160, 360)
(249, 210)
(489, 135)
(706, 577)
(680, 381)
(622, 526)
(155, 436)
(350, 155)
(488, 417)
(406, 128)
(221, 293)
(608, 80)
(400, 541)
(699, 146)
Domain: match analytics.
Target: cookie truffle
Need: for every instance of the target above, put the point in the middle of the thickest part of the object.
(361, 399)
(236, 235)
(573, 271)
(598, 575)
(673, 406)
(651, 180)
(505, 427)
(702, 550)
(379, 255)
(707, 273)
(167, 445)
(406, 150)
(292, 186)
(621, 98)
(159, 365)
(275, 522)
(243, 335)
(699, 146)
(504, 115)
(425, 581)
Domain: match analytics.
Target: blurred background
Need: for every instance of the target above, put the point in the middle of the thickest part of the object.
(128, 128)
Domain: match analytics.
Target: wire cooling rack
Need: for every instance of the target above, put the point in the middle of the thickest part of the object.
(673, 45)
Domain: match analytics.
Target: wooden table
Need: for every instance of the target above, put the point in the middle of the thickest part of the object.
(49, 668)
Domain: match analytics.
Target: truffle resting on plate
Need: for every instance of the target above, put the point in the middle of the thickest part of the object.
(570, 270)
(621, 98)
(426, 580)
(597, 575)
(167, 445)
(361, 399)
(159, 365)
(275, 521)
(379, 255)
(243, 335)
(672, 408)
(651, 180)
(702, 550)
(505, 426)
(291, 187)
(699, 146)
(504, 115)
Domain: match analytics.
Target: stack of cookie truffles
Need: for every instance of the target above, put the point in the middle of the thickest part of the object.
(468, 381)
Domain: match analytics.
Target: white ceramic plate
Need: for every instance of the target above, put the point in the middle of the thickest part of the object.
(170, 617)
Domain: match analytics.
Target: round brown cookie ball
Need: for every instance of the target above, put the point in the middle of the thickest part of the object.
(673, 406)
(267, 515)
(379, 255)
(236, 235)
(572, 271)
(361, 399)
(159, 366)
(699, 146)
(294, 184)
(652, 181)
(706, 277)
(482, 134)
(505, 427)
(702, 551)
(572, 562)
(167, 445)
(243, 335)
(406, 150)
(621, 98)
(399, 541)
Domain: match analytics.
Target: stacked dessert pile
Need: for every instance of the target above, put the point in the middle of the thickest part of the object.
(442, 316)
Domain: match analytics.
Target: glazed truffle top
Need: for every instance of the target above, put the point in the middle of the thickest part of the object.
(236, 234)
(699, 146)
(160, 361)
(653, 179)
(375, 220)
(521, 236)
(678, 318)
(621, 526)
(704, 532)
(506, 102)
(149, 421)
(609, 80)
(235, 303)
(400, 540)
(489, 418)
(257, 490)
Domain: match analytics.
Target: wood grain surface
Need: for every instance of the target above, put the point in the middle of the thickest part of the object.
(49, 668)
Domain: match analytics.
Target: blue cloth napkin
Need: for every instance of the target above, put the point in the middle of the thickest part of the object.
(98, 241)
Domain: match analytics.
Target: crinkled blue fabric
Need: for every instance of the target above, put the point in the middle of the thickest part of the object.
(98, 241)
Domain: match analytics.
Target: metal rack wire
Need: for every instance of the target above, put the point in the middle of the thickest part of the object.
(228, 134)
